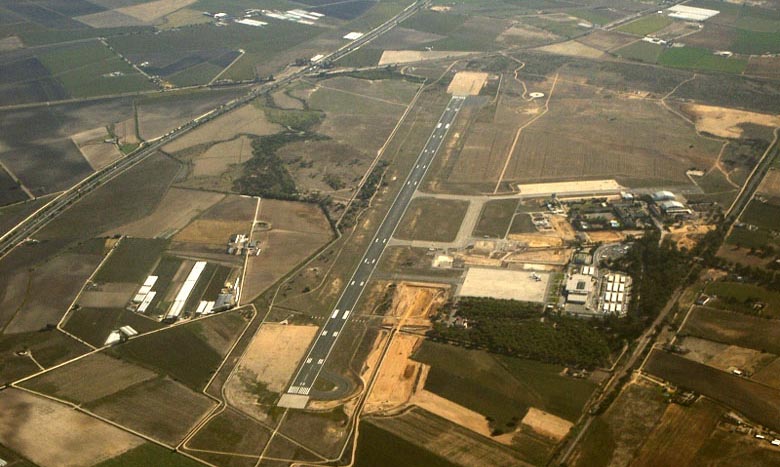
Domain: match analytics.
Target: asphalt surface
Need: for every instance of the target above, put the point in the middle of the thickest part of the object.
(326, 340)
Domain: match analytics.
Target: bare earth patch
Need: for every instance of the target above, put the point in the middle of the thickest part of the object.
(275, 353)
(467, 83)
(572, 49)
(51, 434)
(152, 11)
(409, 56)
(724, 122)
(395, 383)
(546, 424)
(453, 412)
(10, 43)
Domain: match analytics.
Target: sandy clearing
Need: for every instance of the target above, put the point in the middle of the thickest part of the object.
(724, 122)
(453, 412)
(467, 83)
(546, 424)
(395, 383)
(109, 19)
(51, 434)
(218, 158)
(572, 49)
(177, 208)
(10, 43)
(770, 186)
(410, 56)
(526, 33)
(275, 353)
(152, 11)
(85, 380)
(248, 119)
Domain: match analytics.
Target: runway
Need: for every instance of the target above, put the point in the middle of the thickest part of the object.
(320, 350)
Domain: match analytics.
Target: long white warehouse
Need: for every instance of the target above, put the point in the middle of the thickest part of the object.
(185, 290)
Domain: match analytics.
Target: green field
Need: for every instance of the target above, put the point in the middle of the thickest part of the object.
(591, 16)
(93, 325)
(360, 58)
(646, 25)
(435, 22)
(183, 352)
(756, 42)
(762, 215)
(495, 218)
(131, 261)
(695, 58)
(641, 51)
(500, 387)
(739, 296)
(84, 68)
(380, 448)
(149, 454)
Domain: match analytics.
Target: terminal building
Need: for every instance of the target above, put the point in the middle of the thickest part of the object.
(579, 288)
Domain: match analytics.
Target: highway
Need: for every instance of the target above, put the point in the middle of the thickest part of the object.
(345, 306)
(24, 229)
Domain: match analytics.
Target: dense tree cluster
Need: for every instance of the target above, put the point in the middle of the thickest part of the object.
(265, 174)
(521, 329)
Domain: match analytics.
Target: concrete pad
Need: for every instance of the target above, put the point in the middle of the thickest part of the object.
(293, 401)
(570, 188)
(505, 284)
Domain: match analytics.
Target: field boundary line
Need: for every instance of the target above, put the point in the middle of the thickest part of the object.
(241, 54)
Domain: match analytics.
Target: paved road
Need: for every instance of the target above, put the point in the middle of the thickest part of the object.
(320, 350)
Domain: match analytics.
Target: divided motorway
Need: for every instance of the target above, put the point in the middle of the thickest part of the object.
(326, 340)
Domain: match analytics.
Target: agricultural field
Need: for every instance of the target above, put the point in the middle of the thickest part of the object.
(694, 58)
(416, 436)
(641, 51)
(501, 388)
(26, 418)
(206, 341)
(48, 348)
(756, 401)
(615, 437)
(160, 408)
(93, 325)
(679, 435)
(646, 25)
(742, 297)
(37, 298)
(734, 328)
(431, 219)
